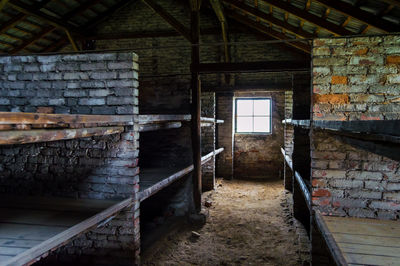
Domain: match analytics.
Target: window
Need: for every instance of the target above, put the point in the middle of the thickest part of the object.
(253, 115)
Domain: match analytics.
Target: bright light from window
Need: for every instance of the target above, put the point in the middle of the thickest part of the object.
(253, 115)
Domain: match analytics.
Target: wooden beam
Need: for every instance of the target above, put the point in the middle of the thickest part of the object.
(270, 19)
(196, 104)
(168, 18)
(29, 256)
(2, 4)
(313, 19)
(219, 11)
(43, 135)
(11, 23)
(72, 41)
(159, 126)
(263, 29)
(264, 66)
(361, 15)
(9, 118)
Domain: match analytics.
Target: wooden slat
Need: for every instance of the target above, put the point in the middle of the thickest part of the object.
(270, 19)
(361, 15)
(331, 243)
(55, 204)
(304, 189)
(23, 243)
(266, 30)
(159, 126)
(145, 119)
(63, 237)
(32, 232)
(304, 15)
(7, 118)
(367, 240)
(32, 136)
(366, 259)
(287, 158)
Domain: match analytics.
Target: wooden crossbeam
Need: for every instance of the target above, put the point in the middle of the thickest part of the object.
(72, 41)
(269, 18)
(265, 66)
(263, 29)
(168, 18)
(392, 2)
(361, 15)
(313, 19)
(2, 4)
(11, 23)
(44, 135)
(9, 118)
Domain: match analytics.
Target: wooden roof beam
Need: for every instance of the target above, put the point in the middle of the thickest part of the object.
(263, 29)
(168, 18)
(270, 19)
(29, 41)
(361, 15)
(313, 19)
(219, 11)
(392, 2)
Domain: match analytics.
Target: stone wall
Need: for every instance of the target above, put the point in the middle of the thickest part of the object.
(96, 167)
(355, 79)
(259, 155)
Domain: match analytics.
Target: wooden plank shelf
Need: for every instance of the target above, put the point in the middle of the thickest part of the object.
(160, 122)
(30, 227)
(11, 137)
(360, 241)
(153, 180)
(19, 118)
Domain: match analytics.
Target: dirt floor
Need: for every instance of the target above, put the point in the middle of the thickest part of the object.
(249, 223)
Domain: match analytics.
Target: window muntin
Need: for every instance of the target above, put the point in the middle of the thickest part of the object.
(253, 115)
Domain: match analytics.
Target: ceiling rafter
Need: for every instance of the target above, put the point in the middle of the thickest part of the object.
(361, 15)
(29, 41)
(219, 12)
(168, 18)
(392, 2)
(261, 28)
(269, 18)
(313, 19)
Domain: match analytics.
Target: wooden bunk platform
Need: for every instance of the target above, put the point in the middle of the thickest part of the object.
(153, 180)
(30, 227)
(22, 128)
(169, 121)
(361, 241)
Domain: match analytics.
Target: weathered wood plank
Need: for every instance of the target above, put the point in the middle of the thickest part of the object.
(159, 126)
(63, 237)
(156, 118)
(39, 135)
(7, 118)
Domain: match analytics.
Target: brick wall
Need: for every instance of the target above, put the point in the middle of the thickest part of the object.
(96, 167)
(259, 156)
(355, 79)
(224, 167)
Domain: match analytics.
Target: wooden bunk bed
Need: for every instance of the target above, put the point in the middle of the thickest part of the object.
(31, 227)
(360, 241)
(155, 179)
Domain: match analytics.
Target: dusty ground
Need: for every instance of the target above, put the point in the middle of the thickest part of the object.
(249, 223)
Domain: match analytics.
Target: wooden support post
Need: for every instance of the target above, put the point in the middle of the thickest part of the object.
(196, 105)
(72, 41)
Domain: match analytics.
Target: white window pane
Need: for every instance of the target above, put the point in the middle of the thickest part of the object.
(262, 107)
(244, 124)
(262, 124)
(244, 107)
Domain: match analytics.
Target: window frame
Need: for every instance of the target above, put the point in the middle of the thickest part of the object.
(253, 99)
